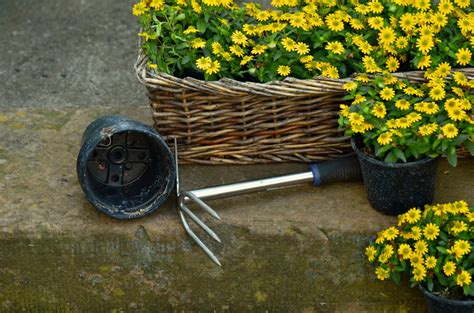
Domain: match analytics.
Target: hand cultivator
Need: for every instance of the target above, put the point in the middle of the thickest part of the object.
(127, 171)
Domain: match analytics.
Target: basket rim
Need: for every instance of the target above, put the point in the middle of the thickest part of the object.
(288, 87)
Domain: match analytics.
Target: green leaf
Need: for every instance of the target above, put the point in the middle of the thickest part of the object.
(452, 156)
(396, 278)
(470, 146)
(390, 158)
(429, 284)
(399, 154)
(443, 236)
(201, 26)
(442, 250)
(186, 59)
(471, 290)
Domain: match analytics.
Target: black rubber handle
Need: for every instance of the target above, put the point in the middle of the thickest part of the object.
(338, 170)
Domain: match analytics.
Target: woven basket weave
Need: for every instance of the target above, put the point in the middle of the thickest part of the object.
(233, 122)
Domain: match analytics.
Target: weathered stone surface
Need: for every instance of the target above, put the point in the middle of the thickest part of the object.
(298, 249)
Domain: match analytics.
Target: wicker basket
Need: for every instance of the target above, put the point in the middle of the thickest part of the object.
(233, 122)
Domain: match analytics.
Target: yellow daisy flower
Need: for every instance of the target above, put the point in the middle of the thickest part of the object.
(463, 56)
(449, 268)
(449, 130)
(284, 70)
(387, 93)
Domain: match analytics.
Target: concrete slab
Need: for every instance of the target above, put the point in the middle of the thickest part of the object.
(291, 249)
(68, 53)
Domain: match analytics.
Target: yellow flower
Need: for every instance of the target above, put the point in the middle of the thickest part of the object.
(370, 253)
(424, 62)
(463, 279)
(203, 63)
(196, 7)
(359, 99)
(198, 43)
(249, 29)
(427, 130)
(239, 38)
(402, 104)
(445, 7)
(430, 262)
(388, 251)
(387, 93)
(407, 22)
(401, 43)
(462, 3)
(356, 118)
(437, 93)
(362, 78)
(391, 233)
(370, 65)
(152, 65)
(413, 215)
(439, 19)
(356, 24)
(463, 56)
(460, 78)
(457, 114)
(246, 59)
(334, 23)
(140, 8)
(416, 259)
(289, 44)
(284, 70)
(237, 50)
(421, 247)
(259, 49)
(349, 86)
(392, 64)
(335, 47)
(344, 110)
(147, 36)
(463, 246)
(387, 36)
(190, 30)
(443, 69)
(375, 22)
(217, 48)
(385, 138)
(404, 251)
(157, 4)
(449, 130)
(302, 48)
(419, 273)
(425, 44)
(298, 21)
(449, 268)
(382, 274)
(331, 72)
(379, 110)
(458, 227)
(306, 59)
(213, 68)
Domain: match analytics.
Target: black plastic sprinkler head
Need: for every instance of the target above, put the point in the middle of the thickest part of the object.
(124, 167)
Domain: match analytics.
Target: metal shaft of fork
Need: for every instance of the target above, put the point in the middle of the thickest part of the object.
(236, 189)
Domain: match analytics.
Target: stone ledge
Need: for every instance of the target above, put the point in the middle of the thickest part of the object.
(294, 249)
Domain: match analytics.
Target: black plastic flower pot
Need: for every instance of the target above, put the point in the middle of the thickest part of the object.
(394, 188)
(438, 304)
(124, 167)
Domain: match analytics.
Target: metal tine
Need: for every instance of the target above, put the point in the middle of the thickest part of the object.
(201, 203)
(196, 219)
(206, 250)
(182, 208)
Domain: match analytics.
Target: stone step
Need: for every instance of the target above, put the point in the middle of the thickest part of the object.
(299, 249)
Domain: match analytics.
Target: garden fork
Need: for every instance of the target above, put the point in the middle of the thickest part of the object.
(343, 169)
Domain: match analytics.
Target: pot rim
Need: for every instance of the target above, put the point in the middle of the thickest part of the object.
(364, 156)
(432, 296)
